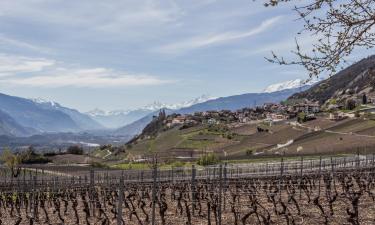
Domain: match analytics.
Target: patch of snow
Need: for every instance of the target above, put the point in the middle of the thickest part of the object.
(158, 105)
(297, 83)
(42, 101)
(152, 107)
(89, 144)
(98, 112)
(283, 145)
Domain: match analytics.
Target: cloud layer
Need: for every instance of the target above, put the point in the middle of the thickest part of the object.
(219, 38)
(143, 49)
(11, 65)
(48, 73)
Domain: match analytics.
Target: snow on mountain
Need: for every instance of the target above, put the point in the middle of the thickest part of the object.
(84, 121)
(98, 112)
(42, 101)
(118, 118)
(151, 107)
(290, 85)
(158, 105)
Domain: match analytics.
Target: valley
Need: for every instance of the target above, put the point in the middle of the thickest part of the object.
(285, 120)
(199, 112)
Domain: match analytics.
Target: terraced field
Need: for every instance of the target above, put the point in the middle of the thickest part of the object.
(244, 141)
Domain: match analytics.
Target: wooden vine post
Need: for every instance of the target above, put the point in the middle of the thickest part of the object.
(281, 174)
(92, 177)
(320, 171)
(35, 200)
(120, 201)
(301, 178)
(193, 189)
(225, 182)
(220, 193)
(155, 174)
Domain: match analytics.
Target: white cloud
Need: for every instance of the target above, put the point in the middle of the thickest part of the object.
(148, 14)
(41, 72)
(11, 64)
(121, 17)
(203, 41)
(288, 45)
(6, 41)
(94, 78)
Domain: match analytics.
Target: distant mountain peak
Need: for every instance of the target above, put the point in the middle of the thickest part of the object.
(159, 105)
(152, 107)
(83, 121)
(118, 118)
(43, 101)
(290, 84)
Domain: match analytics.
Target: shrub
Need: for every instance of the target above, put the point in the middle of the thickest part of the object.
(32, 157)
(11, 161)
(37, 159)
(177, 164)
(104, 147)
(301, 117)
(208, 159)
(356, 114)
(250, 151)
(261, 129)
(49, 154)
(98, 165)
(75, 150)
(333, 101)
(350, 104)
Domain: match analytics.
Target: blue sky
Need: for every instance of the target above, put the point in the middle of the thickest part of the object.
(123, 54)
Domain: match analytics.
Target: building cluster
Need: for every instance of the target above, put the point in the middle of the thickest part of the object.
(270, 112)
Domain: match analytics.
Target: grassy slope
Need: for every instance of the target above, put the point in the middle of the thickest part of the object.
(347, 138)
(351, 135)
(195, 138)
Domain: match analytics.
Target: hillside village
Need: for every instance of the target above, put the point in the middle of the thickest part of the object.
(270, 113)
(344, 120)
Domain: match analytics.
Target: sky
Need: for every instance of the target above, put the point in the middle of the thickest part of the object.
(124, 54)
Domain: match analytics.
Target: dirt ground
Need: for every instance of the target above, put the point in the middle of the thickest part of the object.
(305, 200)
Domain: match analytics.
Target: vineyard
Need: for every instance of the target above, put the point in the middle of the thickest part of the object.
(320, 191)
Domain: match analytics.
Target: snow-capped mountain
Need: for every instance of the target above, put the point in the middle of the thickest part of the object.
(158, 105)
(44, 102)
(99, 112)
(297, 83)
(118, 118)
(30, 114)
(83, 121)
(233, 102)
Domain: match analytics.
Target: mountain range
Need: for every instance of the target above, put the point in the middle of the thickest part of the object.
(119, 118)
(9, 127)
(241, 101)
(224, 103)
(21, 118)
(291, 84)
(37, 116)
(352, 81)
(131, 119)
(83, 121)
(32, 121)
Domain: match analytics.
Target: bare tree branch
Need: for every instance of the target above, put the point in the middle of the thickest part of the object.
(341, 25)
